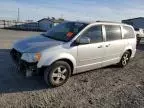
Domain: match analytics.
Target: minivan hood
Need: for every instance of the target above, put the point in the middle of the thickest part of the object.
(36, 44)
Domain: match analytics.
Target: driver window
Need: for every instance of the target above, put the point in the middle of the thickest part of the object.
(94, 33)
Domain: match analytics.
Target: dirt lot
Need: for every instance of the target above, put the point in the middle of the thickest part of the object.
(109, 87)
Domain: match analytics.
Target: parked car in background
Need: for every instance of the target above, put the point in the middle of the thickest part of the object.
(139, 34)
(74, 47)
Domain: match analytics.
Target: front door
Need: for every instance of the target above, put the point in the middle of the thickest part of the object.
(90, 56)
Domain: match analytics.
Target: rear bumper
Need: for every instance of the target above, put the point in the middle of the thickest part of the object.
(22, 65)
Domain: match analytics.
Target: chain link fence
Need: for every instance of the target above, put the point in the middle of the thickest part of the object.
(28, 26)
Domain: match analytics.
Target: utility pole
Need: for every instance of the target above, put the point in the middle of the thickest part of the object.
(18, 15)
(62, 16)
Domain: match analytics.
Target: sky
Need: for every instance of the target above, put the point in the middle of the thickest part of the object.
(85, 10)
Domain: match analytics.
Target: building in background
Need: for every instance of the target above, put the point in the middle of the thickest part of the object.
(45, 24)
(29, 25)
(135, 22)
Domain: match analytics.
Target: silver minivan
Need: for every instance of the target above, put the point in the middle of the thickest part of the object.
(73, 47)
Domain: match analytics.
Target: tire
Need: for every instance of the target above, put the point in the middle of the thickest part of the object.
(125, 59)
(57, 74)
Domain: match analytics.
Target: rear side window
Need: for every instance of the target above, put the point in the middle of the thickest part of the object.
(128, 32)
(113, 32)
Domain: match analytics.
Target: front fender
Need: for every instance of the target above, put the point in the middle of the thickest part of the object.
(51, 59)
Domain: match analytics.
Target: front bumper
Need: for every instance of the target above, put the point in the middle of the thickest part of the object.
(28, 69)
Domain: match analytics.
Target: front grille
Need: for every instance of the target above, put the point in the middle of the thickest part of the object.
(16, 55)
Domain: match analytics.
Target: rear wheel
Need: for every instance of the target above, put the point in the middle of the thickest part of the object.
(125, 59)
(57, 74)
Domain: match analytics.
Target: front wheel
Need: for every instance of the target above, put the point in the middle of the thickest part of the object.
(57, 74)
(125, 59)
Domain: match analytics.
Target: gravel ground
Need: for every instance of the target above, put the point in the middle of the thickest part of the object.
(109, 87)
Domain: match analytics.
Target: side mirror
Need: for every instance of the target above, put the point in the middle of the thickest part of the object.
(84, 40)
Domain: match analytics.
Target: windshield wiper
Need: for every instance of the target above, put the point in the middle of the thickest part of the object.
(46, 35)
(52, 37)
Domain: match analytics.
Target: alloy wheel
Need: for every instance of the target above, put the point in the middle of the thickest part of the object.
(125, 59)
(59, 74)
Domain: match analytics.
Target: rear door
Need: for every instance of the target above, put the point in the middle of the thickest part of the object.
(114, 45)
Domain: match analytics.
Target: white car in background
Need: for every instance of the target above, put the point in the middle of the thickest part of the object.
(139, 34)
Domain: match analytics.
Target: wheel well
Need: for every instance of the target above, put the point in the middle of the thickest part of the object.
(41, 70)
(69, 62)
(129, 50)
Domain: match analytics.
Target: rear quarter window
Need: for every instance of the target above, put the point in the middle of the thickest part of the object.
(128, 32)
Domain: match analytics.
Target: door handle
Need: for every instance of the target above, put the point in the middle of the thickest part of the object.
(108, 45)
(100, 46)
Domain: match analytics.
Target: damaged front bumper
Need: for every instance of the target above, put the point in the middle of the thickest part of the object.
(29, 69)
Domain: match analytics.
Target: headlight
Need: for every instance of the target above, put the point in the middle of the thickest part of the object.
(31, 57)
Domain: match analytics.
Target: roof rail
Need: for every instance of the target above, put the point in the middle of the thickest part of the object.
(108, 21)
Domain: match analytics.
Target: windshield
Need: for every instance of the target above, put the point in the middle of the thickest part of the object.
(65, 31)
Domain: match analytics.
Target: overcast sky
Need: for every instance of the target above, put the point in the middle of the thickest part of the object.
(87, 10)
